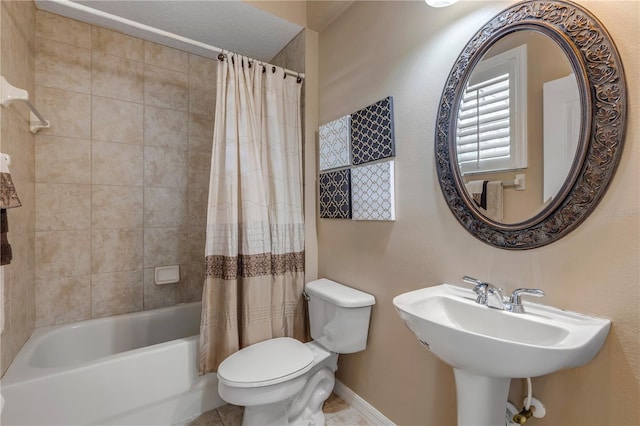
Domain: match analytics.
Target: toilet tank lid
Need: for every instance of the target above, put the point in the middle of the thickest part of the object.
(339, 294)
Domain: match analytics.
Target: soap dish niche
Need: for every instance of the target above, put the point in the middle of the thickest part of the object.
(167, 274)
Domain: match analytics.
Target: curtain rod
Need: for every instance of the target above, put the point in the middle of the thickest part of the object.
(94, 16)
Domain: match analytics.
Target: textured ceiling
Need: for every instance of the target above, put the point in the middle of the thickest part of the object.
(231, 25)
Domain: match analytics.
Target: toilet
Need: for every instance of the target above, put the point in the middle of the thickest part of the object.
(282, 381)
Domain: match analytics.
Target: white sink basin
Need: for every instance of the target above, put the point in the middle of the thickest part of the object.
(500, 344)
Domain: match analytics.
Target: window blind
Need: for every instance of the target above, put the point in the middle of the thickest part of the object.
(484, 123)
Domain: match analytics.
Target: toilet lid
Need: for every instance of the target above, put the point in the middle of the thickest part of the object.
(269, 362)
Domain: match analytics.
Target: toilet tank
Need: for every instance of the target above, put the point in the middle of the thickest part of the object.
(339, 316)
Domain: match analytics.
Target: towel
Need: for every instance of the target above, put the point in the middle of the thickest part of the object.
(8, 200)
(5, 248)
(487, 195)
(8, 195)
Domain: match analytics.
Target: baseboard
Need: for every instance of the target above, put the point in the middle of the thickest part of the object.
(363, 407)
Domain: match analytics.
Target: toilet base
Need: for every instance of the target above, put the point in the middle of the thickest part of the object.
(295, 402)
(266, 415)
(305, 409)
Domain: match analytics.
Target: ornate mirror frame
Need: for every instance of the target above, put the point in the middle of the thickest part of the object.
(600, 78)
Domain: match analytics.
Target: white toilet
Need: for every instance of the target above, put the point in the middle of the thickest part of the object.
(282, 381)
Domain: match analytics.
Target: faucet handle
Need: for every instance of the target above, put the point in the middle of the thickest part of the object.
(516, 297)
(471, 280)
(480, 288)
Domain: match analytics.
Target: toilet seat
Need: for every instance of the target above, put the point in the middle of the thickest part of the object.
(266, 363)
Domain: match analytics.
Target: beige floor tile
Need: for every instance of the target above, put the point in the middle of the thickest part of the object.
(337, 413)
(334, 404)
(231, 415)
(210, 418)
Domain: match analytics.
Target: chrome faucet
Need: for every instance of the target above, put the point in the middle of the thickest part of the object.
(480, 288)
(515, 301)
(485, 291)
(495, 299)
(492, 296)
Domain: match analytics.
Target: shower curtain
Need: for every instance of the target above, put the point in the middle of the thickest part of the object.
(255, 226)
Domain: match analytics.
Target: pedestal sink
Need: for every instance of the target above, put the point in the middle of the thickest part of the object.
(488, 347)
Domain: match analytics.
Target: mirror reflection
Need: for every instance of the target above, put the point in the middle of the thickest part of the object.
(518, 127)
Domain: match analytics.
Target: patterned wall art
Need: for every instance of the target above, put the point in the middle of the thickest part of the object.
(335, 194)
(335, 143)
(372, 191)
(372, 133)
(354, 188)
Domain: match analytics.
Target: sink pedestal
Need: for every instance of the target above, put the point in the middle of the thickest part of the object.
(482, 400)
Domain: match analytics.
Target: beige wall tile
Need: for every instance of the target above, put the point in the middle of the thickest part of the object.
(17, 51)
(197, 238)
(63, 300)
(21, 316)
(132, 202)
(116, 250)
(165, 207)
(165, 168)
(166, 128)
(165, 246)
(18, 21)
(202, 96)
(116, 121)
(15, 45)
(61, 66)
(117, 164)
(198, 199)
(118, 44)
(199, 169)
(166, 57)
(62, 253)
(63, 206)
(68, 112)
(159, 296)
(116, 293)
(200, 133)
(191, 290)
(65, 30)
(17, 141)
(116, 207)
(197, 223)
(62, 160)
(166, 88)
(6, 354)
(117, 78)
(201, 67)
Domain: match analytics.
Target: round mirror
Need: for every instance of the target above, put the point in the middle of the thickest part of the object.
(518, 126)
(531, 124)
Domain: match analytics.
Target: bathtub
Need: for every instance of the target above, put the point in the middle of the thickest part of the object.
(131, 369)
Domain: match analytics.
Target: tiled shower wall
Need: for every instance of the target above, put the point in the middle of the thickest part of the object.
(122, 175)
(17, 33)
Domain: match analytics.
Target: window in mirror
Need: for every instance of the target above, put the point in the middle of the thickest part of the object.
(491, 130)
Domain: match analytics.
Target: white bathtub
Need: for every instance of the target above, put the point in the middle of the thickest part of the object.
(132, 369)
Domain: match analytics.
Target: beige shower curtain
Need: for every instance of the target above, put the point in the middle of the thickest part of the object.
(255, 226)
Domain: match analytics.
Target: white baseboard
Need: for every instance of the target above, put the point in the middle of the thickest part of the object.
(363, 407)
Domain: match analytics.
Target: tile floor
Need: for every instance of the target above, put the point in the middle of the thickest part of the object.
(336, 412)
